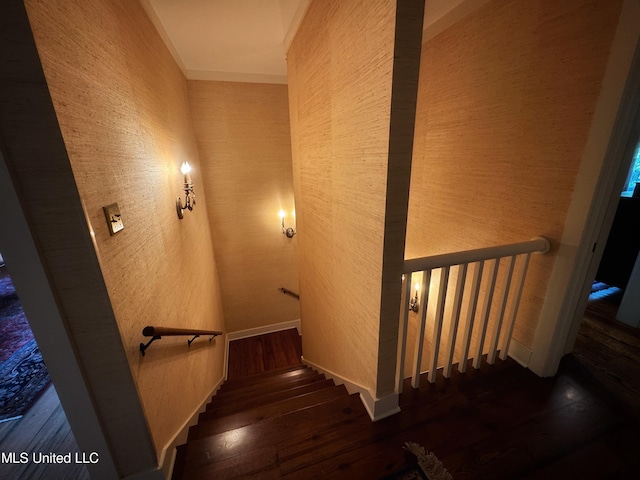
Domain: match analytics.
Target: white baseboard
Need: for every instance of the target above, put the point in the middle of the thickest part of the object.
(252, 332)
(276, 327)
(168, 454)
(519, 353)
(377, 408)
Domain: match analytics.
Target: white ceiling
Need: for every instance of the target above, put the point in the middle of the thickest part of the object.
(241, 40)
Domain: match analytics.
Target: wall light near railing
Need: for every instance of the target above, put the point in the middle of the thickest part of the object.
(288, 231)
(414, 304)
(190, 196)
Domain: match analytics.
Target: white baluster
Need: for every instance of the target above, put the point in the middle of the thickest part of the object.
(504, 347)
(493, 348)
(417, 354)
(486, 309)
(471, 313)
(437, 325)
(455, 319)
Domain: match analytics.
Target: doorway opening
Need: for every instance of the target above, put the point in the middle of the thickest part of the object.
(23, 374)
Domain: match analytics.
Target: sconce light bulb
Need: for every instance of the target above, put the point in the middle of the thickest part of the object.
(281, 214)
(185, 168)
(417, 287)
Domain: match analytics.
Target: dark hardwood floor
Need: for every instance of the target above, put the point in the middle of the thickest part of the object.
(609, 350)
(43, 429)
(500, 422)
(261, 353)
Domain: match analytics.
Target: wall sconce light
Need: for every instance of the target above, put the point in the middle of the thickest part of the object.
(414, 304)
(288, 231)
(190, 196)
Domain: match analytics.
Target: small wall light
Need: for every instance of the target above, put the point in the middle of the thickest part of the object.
(288, 231)
(190, 196)
(414, 304)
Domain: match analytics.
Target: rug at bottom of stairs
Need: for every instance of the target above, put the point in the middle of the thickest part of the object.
(429, 466)
(23, 378)
(410, 473)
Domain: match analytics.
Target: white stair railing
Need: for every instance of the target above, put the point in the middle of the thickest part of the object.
(486, 262)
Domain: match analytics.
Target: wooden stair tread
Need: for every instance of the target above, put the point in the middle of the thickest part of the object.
(266, 412)
(277, 384)
(266, 378)
(230, 384)
(251, 402)
(216, 448)
(223, 400)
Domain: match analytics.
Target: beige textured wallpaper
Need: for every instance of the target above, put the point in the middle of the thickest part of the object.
(505, 103)
(340, 92)
(243, 137)
(123, 110)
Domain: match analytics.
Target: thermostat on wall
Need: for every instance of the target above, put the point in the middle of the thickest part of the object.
(114, 219)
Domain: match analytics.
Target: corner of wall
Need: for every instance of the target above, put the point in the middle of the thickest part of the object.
(588, 221)
(519, 353)
(377, 408)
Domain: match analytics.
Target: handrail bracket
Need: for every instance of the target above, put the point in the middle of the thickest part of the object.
(144, 346)
(286, 291)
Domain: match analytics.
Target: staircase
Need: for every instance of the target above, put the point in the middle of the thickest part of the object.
(279, 424)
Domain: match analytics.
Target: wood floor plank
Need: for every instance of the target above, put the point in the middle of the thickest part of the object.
(376, 459)
(609, 352)
(44, 428)
(262, 353)
(580, 464)
(245, 357)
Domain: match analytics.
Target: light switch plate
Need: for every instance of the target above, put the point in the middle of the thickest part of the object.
(114, 219)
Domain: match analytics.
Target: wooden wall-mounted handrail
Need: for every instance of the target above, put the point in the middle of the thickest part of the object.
(156, 333)
(286, 291)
